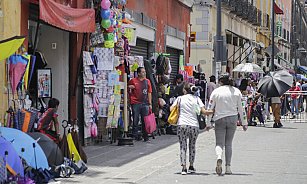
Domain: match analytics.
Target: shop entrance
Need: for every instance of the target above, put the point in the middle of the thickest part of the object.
(53, 44)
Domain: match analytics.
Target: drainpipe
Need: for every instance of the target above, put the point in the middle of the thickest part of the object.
(273, 35)
(219, 41)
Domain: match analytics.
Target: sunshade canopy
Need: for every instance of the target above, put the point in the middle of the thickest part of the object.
(52, 151)
(248, 68)
(13, 162)
(275, 84)
(10, 46)
(33, 153)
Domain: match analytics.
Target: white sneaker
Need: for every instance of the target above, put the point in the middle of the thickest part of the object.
(228, 170)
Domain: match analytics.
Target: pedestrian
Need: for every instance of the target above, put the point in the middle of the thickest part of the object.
(188, 128)
(294, 100)
(48, 123)
(276, 108)
(179, 84)
(304, 89)
(211, 86)
(140, 100)
(225, 102)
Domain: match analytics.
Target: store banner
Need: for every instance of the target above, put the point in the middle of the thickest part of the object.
(64, 17)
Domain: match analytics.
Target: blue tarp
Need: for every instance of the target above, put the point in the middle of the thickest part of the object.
(301, 77)
(303, 68)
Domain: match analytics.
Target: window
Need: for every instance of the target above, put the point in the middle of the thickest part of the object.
(235, 41)
(228, 39)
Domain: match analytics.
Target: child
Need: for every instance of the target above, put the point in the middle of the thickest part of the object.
(48, 123)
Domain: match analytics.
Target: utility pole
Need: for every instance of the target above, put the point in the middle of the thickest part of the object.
(218, 38)
(273, 35)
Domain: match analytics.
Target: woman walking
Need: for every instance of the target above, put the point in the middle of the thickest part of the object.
(188, 128)
(225, 103)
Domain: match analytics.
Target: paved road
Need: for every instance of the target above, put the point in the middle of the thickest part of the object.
(261, 155)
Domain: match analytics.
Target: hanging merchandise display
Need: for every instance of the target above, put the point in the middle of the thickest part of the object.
(103, 69)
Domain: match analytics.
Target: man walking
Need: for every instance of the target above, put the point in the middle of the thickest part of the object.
(140, 100)
(276, 107)
(211, 86)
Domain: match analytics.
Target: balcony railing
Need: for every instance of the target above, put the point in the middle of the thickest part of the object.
(246, 7)
(245, 10)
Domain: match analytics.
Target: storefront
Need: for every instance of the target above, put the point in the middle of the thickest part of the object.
(174, 47)
(141, 48)
(53, 45)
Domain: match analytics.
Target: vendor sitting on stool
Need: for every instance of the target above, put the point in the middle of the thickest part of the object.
(48, 123)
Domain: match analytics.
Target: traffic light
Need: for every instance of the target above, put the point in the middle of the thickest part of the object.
(193, 36)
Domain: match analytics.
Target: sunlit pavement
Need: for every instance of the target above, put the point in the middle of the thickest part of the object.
(260, 155)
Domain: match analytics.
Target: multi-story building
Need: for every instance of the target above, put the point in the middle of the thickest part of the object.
(246, 27)
(282, 34)
(299, 33)
(161, 27)
(240, 20)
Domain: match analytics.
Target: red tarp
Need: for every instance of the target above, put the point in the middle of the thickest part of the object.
(277, 10)
(64, 17)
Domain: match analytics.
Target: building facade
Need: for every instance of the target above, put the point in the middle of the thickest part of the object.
(240, 20)
(9, 27)
(162, 26)
(299, 33)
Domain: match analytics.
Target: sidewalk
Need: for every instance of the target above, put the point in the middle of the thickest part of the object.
(260, 155)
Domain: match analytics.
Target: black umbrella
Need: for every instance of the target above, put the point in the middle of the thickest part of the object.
(275, 84)
(52, 151)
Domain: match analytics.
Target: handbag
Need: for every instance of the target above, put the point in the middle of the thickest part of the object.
(150, 123)
(174, 115)
(201, 119)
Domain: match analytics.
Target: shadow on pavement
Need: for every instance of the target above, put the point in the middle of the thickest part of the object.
(194, 174)
(112, 155)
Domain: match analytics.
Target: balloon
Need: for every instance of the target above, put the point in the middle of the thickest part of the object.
(110, 29)
(105, 4)
(109, 36)
(106, 23)
(111, 13)
(105, 14)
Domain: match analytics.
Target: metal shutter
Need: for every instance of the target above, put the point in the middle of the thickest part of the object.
(141, 49)
(174, 58)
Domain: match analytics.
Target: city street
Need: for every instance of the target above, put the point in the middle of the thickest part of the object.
(260, 155)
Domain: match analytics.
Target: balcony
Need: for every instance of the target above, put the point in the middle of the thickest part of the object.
(246, 7)
(237, 7)
(252, 18)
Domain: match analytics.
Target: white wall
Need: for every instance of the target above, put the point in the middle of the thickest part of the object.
(58, 61)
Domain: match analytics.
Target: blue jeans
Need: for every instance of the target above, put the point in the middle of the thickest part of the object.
(294, 104)
(137, 111)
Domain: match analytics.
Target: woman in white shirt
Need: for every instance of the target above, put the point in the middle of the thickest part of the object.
(225, 102)
(188, 128)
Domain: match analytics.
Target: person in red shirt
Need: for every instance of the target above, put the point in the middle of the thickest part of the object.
(140, 100)
(294, 99)
(48, 124)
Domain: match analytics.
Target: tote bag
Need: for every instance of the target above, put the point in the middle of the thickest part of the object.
(150, 123)
(174, 115)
